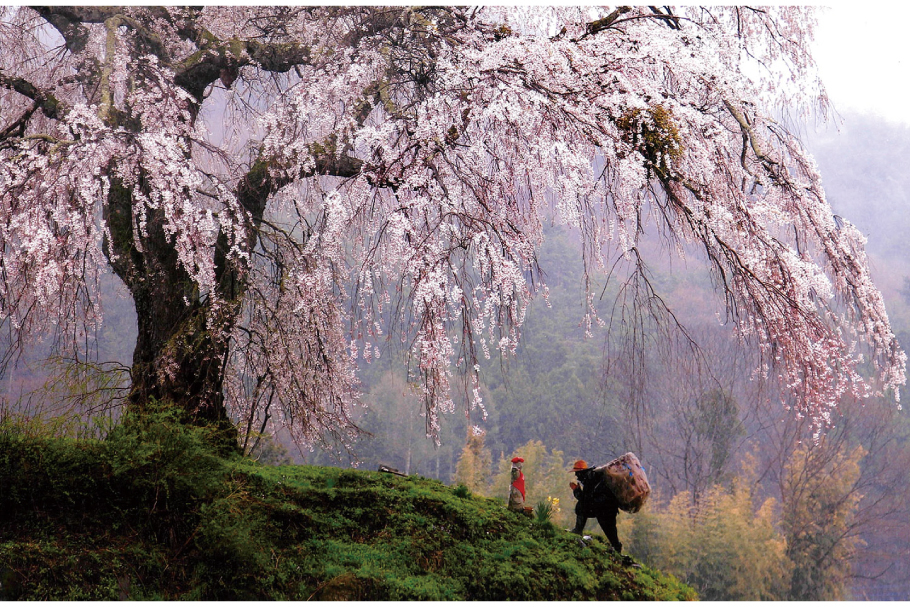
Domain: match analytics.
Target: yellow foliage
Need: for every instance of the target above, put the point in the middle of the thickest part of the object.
(821, 499)
(473, 467)
(723, 548)
(727, 549)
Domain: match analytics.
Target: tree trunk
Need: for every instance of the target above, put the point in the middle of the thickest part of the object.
(178, 360)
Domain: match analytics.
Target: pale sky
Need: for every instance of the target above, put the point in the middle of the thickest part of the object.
(864, 59)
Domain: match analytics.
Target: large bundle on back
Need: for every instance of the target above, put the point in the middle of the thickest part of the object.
(628, 482)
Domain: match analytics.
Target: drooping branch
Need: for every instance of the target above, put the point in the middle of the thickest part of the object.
(749, 137)
(671, 20)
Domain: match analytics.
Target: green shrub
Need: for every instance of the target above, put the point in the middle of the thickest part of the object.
(542, 512)
(155, 457)
(461, 491)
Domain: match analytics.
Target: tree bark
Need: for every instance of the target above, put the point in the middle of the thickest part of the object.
(182, 346)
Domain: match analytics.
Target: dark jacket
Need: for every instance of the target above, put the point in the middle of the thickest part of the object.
(593, 494)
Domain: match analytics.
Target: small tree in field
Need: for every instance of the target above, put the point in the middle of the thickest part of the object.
(281, 189)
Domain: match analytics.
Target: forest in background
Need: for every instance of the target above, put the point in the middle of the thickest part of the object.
(737, 479)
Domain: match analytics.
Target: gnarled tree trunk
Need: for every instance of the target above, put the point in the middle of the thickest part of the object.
(182, 344)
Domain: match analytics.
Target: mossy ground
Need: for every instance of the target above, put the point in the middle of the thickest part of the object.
(150, 513)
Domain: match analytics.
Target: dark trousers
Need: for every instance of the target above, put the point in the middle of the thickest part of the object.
(606, 518)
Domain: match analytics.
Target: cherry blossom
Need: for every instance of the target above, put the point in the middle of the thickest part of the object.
(283, 190)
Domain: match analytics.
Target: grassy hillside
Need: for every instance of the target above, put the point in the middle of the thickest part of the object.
(151, 513)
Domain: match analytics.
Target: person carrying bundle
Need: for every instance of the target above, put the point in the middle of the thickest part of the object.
(595, 500)
(605, 490)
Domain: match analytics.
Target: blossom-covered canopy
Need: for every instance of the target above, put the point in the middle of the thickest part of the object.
(281, 189)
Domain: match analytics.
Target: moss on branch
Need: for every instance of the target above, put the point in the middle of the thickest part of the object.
(654, 134)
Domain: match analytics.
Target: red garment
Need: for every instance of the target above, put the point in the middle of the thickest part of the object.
(519, 483)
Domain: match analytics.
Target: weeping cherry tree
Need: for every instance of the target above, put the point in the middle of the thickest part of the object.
(284, 190)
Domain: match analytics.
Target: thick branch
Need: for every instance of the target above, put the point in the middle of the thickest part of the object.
(218, 59)
(68, 22)
(46, 102)
(17, 127)
(602, 24)
(222, 59)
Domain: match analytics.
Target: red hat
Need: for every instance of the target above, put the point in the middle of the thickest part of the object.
(515, 460)
(580, 465)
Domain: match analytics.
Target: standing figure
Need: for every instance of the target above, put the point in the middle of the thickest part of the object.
(517, 488)
(595, 500)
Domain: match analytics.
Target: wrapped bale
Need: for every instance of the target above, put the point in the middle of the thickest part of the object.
(627, 480)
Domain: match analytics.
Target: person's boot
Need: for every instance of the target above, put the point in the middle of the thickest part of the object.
(579, 525)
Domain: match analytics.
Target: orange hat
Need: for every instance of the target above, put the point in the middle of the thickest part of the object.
(580, 465)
